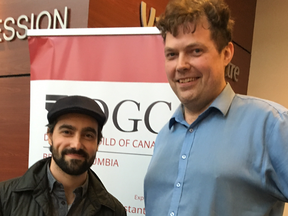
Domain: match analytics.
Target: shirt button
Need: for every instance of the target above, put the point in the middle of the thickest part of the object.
(63, 202)
(178, 185)
(172, 214)
(183, 157)
(191, 130)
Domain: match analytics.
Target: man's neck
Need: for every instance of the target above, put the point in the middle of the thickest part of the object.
(190, 115)
(193, 109)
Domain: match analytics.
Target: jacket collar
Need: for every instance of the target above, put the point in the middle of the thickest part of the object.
(35, 179)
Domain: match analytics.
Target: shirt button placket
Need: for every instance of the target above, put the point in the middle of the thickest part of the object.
(177, 193)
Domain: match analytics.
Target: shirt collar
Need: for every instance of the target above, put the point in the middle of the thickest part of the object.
(52, 181)
(221, 103)
(224, 100)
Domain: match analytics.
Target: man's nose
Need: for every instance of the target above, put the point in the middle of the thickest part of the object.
(183, 63)
(76, 142)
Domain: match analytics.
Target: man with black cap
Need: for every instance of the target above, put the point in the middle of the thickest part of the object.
(64, 184)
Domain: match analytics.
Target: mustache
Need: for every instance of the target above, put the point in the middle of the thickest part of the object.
(74, 151)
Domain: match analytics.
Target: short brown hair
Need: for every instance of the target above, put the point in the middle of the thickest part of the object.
(184, 12)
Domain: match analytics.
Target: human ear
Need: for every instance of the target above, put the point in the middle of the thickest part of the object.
(228, 53)
(49, 134)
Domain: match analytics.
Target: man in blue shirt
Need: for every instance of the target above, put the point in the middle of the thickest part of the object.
(221, 153)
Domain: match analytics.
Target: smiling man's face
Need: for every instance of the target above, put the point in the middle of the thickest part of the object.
(74, 143)
(194, 67)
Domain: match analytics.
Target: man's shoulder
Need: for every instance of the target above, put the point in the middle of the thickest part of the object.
(6, 187)
(166, 127)
(259, 104)
(10, 183)
(28, 180)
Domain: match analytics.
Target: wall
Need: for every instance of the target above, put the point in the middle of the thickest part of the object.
(268, 72)
(243, 12)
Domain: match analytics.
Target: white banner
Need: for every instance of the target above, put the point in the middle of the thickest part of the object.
(136, 111)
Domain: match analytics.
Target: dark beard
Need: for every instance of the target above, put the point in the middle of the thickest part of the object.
(72, 167)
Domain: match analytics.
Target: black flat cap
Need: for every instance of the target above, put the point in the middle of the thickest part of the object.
(77, 104)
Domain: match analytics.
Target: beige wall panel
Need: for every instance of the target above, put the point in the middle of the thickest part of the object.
(268, 72)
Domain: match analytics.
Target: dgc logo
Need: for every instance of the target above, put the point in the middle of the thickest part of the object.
(134, 104)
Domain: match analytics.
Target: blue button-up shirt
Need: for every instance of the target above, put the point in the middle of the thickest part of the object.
(232, 161)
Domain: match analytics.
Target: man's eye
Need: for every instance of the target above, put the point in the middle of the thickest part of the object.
(90, 136)
(170, 55)
(66, 132)
(196, 51)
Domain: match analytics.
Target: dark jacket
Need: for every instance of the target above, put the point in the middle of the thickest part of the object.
(29, 195)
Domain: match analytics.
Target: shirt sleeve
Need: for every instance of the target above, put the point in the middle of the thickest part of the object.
(277, 145)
